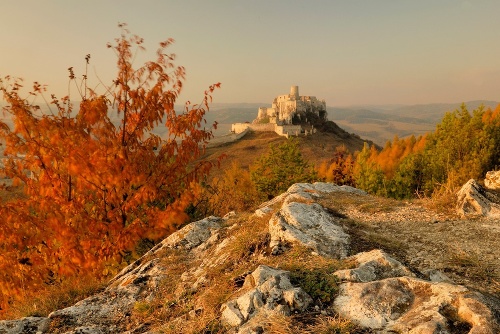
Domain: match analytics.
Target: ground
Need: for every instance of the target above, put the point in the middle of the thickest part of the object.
(465, 250)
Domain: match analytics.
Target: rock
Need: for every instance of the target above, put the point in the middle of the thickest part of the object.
(25, 325)
(372, 266)
(411, 305)
(191, 235)
(305, 192)
(108, 311)
(437, 276)
(270, 291)
(311, 226)
(473, 199)
(492, 180)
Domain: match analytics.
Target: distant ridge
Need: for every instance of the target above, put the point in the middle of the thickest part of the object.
(382, 122)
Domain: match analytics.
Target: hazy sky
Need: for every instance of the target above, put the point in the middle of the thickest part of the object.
(346, 52)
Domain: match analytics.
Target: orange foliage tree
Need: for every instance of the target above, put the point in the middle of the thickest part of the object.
(339, 169)
(96, 186)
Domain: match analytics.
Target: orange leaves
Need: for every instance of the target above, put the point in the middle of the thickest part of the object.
(394, 152)
(97, 180)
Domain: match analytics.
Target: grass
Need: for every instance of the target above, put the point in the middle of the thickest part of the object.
(180, 309)
(55, 297)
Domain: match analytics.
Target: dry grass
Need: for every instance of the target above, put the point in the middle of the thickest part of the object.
(444, 203)
(55, 297)
(315, 149)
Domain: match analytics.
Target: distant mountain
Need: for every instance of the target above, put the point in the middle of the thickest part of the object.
(382, 123)
(378, 123)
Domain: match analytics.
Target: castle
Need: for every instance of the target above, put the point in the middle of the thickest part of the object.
(284, 112)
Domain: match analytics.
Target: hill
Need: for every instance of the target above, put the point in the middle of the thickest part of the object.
(315, 148)
(381, 123)
(316, 259)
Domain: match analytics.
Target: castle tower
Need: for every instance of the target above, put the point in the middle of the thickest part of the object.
(294, 92)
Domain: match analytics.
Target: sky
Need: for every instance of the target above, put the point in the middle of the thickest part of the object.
(352, 52)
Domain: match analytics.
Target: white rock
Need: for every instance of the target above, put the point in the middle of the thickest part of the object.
(271, 291)
(309, 225)
(473, 199)
(492, 180)
(373, 265)
(304, 192)
(192, 234)
(25, 325)
(411, 305)
(231, 314)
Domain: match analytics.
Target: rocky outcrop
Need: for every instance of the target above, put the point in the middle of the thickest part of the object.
(301, 221)
(492, 180)
(25, 325)
(271, 291)
(309, 225)
(378, 293)
(411, 305)
(475, 200)
(372, 266)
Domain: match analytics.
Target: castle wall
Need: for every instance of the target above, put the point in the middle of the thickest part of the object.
(292, 130)
(227, 138)
(240, 127)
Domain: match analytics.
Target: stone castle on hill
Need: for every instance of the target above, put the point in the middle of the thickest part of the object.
(288, 115)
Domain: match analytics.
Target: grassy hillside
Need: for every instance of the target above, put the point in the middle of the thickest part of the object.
(315, 148)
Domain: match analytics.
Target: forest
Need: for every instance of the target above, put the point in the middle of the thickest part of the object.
(96, 194)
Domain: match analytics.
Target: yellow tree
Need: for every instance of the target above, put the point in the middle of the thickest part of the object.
(95, 187)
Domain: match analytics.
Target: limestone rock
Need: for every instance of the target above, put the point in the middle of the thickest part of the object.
(473, 199)
(372, 266)
(25, 325)
(492, 180)
(414, 306)
(107, 312)
(309, 225)
(305, 192)
(191, 235)
(270, 291)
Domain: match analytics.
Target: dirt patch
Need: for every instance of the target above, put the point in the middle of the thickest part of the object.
(465, 250)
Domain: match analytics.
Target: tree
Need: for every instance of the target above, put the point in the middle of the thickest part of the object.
(283, 166)
(339, 169)
(95, 187)
(232, 191)
(367, 174)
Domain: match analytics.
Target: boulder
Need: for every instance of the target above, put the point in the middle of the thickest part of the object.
(25, 325)
(270, 291)
(191, 235)
(475, 200)
(411, 305)
(492, 180)
(309, 225)
(372, 266)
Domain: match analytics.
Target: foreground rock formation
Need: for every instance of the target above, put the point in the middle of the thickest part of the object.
(476, 200)
(375, 292)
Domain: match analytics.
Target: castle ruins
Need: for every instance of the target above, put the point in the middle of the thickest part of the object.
(286, 115)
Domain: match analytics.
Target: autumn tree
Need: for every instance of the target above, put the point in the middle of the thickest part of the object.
(281, 167)
(95, 186)
(234, 190)
(339, 169)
